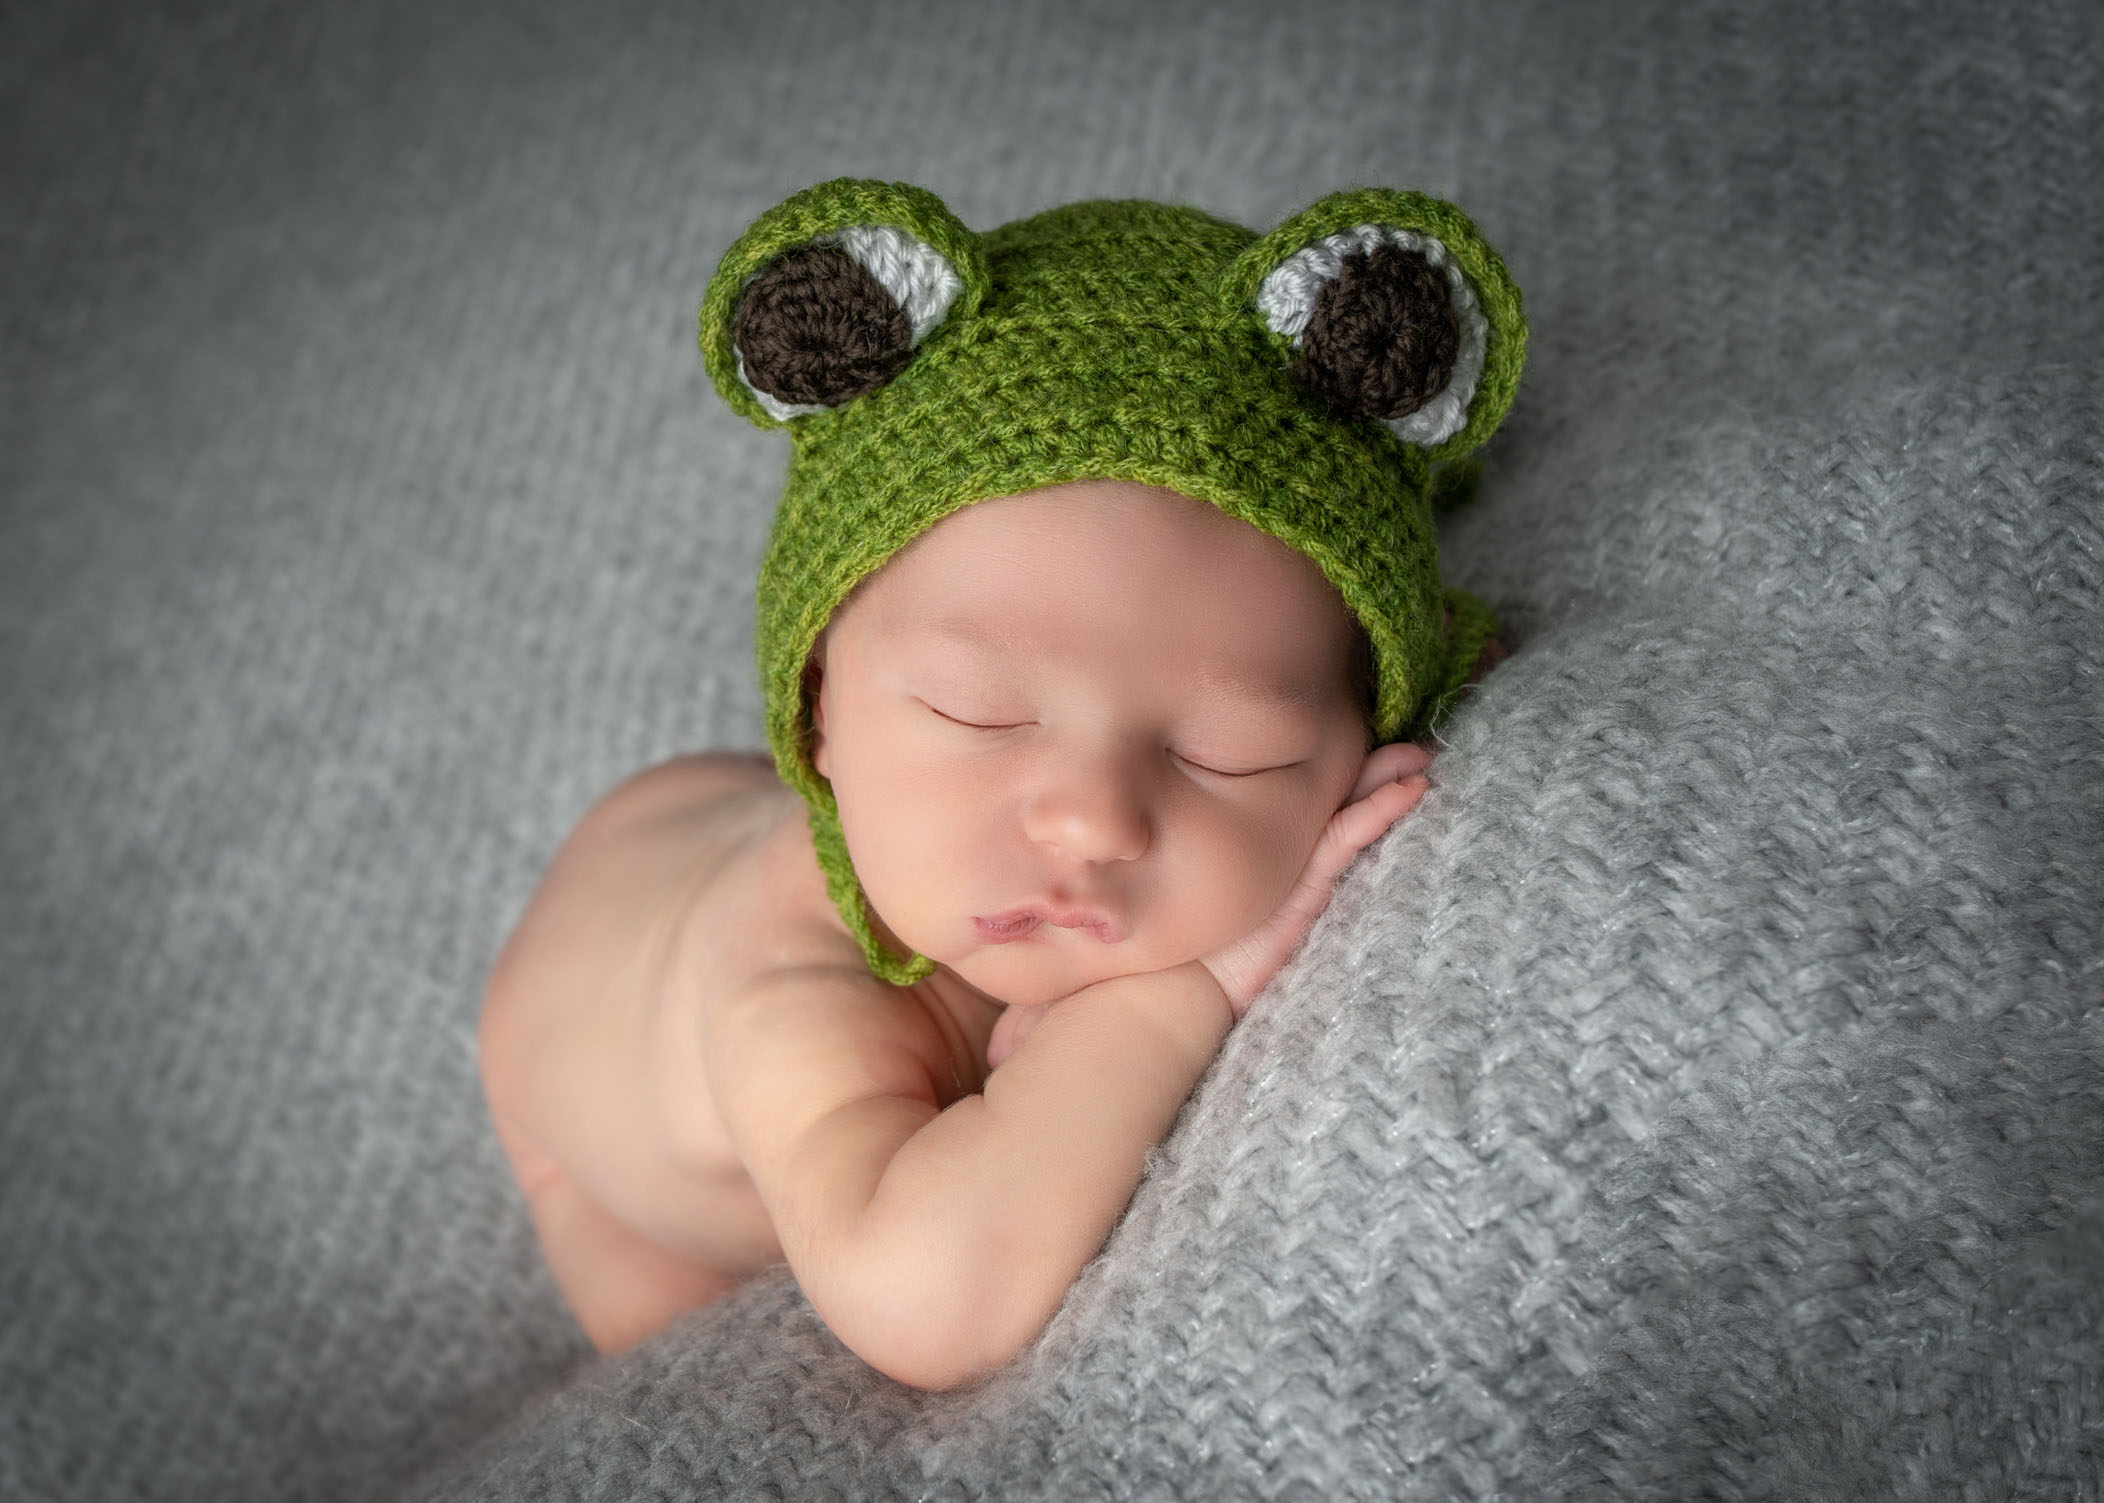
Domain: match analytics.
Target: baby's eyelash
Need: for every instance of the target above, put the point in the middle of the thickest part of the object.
(1221, 772)
(974, 725)
(1193, 763)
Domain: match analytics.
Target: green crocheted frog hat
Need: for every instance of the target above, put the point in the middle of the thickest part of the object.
(1312, 382)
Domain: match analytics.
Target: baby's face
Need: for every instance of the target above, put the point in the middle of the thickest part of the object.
(1083, 732)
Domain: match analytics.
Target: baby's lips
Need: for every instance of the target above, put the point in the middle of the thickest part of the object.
(1103, 925)
(1016, 923)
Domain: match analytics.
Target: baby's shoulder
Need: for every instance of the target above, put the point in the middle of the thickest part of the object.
(798, 1000)
(831, 1032)
(756, 953)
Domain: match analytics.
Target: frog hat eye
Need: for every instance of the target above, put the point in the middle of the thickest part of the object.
(1385, 326)
(839, 316)
(831, 294)
(1392, 308)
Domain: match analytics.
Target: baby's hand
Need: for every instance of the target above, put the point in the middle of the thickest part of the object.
(1389, 786)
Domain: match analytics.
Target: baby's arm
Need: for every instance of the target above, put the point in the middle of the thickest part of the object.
(936, 1243)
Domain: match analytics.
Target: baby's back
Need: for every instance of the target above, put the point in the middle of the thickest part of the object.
(676, 891)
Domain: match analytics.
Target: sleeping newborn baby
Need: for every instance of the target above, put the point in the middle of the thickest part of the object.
(1100, 603)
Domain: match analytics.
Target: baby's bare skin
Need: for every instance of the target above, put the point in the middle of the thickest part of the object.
(671, 895)
(694, 1073)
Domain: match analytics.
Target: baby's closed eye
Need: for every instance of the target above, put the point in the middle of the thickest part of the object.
(978, 719)
(1243, 746)
(1224, 764)
(1216, 762)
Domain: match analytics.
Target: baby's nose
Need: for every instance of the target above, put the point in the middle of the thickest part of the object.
(1096, 813)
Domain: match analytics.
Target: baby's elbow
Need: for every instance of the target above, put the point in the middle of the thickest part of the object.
(941, 1359)
(930, 1328)
(936, 1366)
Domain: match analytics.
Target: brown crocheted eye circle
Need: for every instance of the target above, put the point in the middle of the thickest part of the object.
(1382, 340)
(817, 329)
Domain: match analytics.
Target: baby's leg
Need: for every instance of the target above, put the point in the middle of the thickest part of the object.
(620, 1286)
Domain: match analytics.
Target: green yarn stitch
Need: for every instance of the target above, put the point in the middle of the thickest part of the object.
(1104, 340)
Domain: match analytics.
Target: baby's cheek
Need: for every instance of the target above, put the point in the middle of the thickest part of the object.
(915, 849)
(1237, 876)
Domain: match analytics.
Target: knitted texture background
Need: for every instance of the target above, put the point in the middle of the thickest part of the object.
(1698, 1097)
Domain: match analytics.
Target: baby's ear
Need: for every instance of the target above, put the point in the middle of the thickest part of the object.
(1393, 308)
(813, 691)
(830, 294)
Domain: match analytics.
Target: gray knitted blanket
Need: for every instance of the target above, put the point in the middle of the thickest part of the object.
(1701, 1095)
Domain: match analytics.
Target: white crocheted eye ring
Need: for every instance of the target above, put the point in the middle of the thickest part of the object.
(917, 275)
(1288, 295)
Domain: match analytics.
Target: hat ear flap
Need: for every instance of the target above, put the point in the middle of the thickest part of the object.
(1393, 308)
(830, 294)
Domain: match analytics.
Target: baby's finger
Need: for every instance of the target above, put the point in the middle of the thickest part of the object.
(1359, 824)
(1390, 764)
